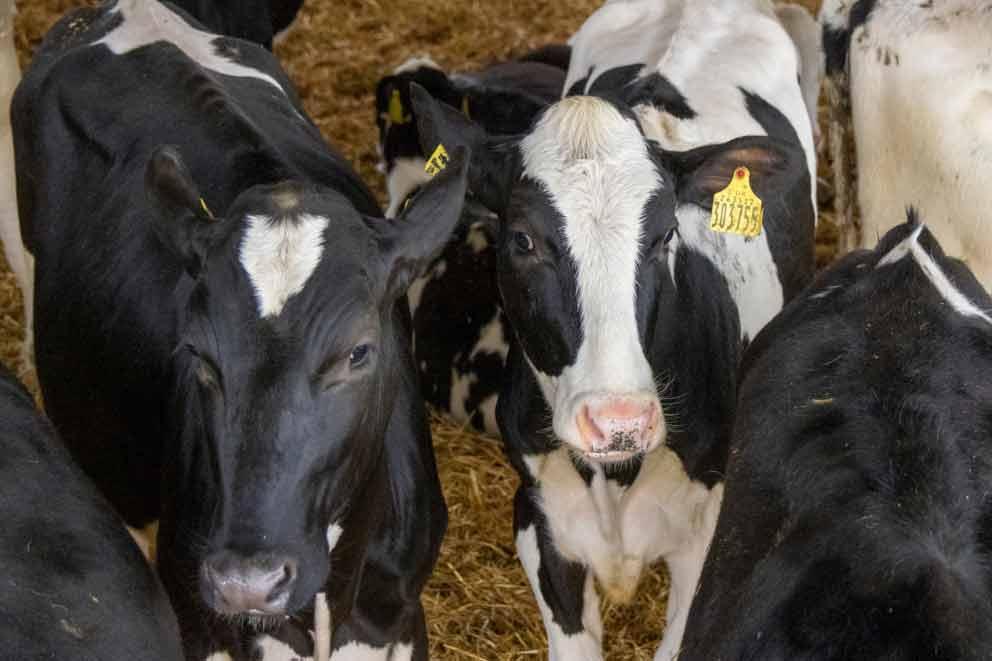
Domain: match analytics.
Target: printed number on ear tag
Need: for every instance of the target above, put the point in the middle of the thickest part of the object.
(736, 209)
(437, 162)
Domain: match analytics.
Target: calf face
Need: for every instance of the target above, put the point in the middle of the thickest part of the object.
(289, 358)
(589, 216)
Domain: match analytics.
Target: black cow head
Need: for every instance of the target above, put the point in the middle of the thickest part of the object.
(291, 352)
(591, 217)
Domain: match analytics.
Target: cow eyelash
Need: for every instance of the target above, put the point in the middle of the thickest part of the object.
(336, 371)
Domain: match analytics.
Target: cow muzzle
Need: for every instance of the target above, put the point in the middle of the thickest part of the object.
(615, 428)
(234, 584)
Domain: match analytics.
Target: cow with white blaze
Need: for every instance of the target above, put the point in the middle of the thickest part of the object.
(918, 80)
(75, 585)
(222, 335)
(461, 366)
(628, 312)
(856, 522)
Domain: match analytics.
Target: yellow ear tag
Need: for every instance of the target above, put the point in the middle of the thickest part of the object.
(206, 209)
(396, 115)
(465, 109)
(437, 162)
(736, 209)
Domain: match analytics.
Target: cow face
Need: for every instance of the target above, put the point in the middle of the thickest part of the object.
(291, 352)
(589, 210)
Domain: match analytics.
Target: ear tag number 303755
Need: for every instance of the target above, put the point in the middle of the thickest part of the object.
(736, 209)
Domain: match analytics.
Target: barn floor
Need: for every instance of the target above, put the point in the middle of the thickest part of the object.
(478, 603)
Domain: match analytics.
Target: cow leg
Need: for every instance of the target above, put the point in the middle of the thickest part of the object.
(565, 591)
(685, 566)
(365, 637)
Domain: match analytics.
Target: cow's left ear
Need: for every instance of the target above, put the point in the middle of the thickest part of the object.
(776, 167)
(418, 235)
(182, 222)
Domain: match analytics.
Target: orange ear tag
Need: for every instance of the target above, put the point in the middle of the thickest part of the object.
(736, 209)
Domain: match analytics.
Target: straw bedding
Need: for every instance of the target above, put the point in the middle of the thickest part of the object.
(478, 603)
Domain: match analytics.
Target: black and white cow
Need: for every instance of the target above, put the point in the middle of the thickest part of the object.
(856, 518)
(628, 313)
(260, 21)
(74, 584)
(461, 367)
(918, 80)
(219, 301)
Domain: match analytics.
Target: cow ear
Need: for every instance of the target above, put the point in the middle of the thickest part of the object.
(493, 161)
(776, 167)
(411, 241)
(182, 222)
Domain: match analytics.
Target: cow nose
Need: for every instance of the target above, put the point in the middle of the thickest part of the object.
(259, 584)
(619, 426)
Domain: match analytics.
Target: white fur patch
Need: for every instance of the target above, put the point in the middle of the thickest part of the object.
(416, 62)
(219, 656)
(271, 649)
(747, 265)
(911, 246)
(406, 175)
(595, 166)
(147, 22)
(583, 646)
(355, 651)
(280, 257)
(921, 112)
(333, 535)
(708, 51)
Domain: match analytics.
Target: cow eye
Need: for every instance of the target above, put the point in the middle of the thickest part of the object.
(359, 356)
(669, 235)
(523, 242)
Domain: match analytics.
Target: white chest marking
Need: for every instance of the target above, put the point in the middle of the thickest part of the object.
(911, 246)
(747, 265)
(355, 651)
(147, 22)
(280, 257)
(268, 648)
(617, 531)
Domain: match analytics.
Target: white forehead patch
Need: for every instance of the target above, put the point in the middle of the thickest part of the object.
(147, 22)
(270, 649)
(594, 164)
(911, 246)
(280, 256)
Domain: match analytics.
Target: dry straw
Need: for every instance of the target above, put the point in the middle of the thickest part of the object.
(479, 605)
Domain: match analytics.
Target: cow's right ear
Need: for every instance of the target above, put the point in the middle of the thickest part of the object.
(182, 222)
(494, 161)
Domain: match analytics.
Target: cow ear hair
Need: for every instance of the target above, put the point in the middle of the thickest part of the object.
(493, 160)
(417, 236)
(776, 166)
(182, 221)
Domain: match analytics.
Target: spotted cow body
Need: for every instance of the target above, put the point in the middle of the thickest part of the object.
(221, 336)
(461, 342)
(856, 496)
(918, 80)
(628, 313)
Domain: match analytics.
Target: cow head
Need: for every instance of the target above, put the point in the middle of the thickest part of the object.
(589, 215)
(291, 352)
